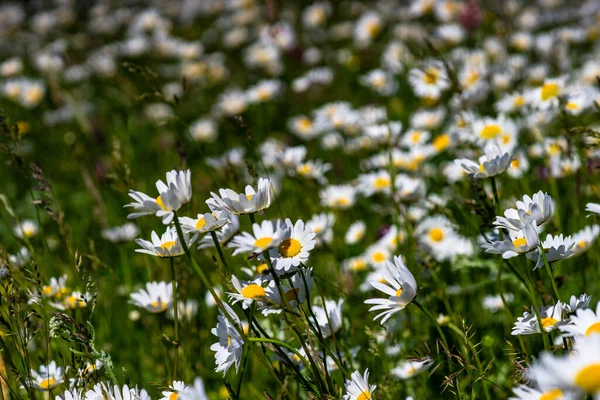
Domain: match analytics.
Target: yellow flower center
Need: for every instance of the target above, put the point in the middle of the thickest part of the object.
(378, 257)
(364, 396)
(520, 242)
(589, 378)
(249, 196)
(358, 265)
(472, 78)
(159, 307)
(342, 201)
(553, 394)
(174, 396)
(305, 124)
(304, 169)
(549, 90)
(28, 231)
(415, 137)
(290, 247)
(519, 101)
(72, 302)
(34, 95)
(553, 149)
(572, 106)
(47, 290)
(228, 340)
(200, 224)
(47, 383)
(381, 183)
(399, 292)
(411, 371)
(263, 242)
(293, 294)
(515, 163)
(441, 142)
(263, 94)
(582, 244)
(506, 139)
(431, 76)
(490, 131)
(167, 245)
(481, 167)
(160, 203)
(436, 234)
(262, 268)
(253, 291)
(373, 28)
(595, 328)
(548, 322)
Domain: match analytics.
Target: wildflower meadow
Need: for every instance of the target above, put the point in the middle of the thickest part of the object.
(281, 199)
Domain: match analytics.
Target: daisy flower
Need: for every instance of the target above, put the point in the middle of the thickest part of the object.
(537, 208)
(577, 370)
(501, 131)
(430, 80)
(123, 233)
(295, 293)
(400, 285)
(381, 81)
(329, 317)
(409, 189)
(367, 28)
(206, 222)
(247, 292)
(26, 229)
(194, 392)
(492, 163)
(338, 196)
(377, 255)
(249, 202)
(48, 376)
(585, 238)
(357, 387)
(228, 350)
(172, 195)
(375, 182)
(411, 368)
(495, 303)
(72, 301)
(294, 248)
(103, 391)
(224, 234)
(519, 242)
(576, 303)
(167, 245)
(175, 389)
(265, 236)
(585, 322)
(56, 288)
(551, 318)
(263, 91)
(322, 226)
(356, 232)
(156, 298)
(525, 392)
(546, 96)
(556, 249)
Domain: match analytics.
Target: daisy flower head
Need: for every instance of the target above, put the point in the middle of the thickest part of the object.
(430, 80)
(123, 233)
(585, 322)
(537, 208)
(375, 182)
(578, 370)
(551, 318)
(316, 14)
(194, 392)
(247, 292)
(48, 376)
(409, 189)
(26, 229)
(519, 242)
(172, 195)
(73, 301)
(400, 285)
(501, 131)
(228, 350)
(264, 91)
(357, 387)
(266, 235)
(367, 28)
(174, 390)
(295, 292)
(547, 95)
(155, 298)
(295, 247)
(338, 196)
(435, 231)
(56, 288)
(224, 234)
(380, 81)
(493, 162)
(356, 232)
(249, 202)
(167, 245)
(556, 248)
(204, 223)
(585, 238)
(322, 226)
(377, 255)
(411, 368)
(313, 169)
(576, 303)
(329, 317)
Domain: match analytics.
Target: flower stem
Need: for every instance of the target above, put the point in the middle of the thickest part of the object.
(550, 275)
(213, 234)
(175, 315)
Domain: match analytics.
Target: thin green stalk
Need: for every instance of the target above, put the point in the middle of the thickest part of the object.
(550, 275)
(175, 315)
(213, 234)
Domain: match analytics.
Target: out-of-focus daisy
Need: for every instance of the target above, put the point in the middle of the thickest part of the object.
(172, 195)
(375, 182)
(380, 81)
(204, 130)
(524, 392)
(295, 246)
(377, 255)
(228, 350)
(264, 91)
(546, 96)
(357, 387)
(329, 316)
(295, 292)
(585, 238)
(430, 80)
(551, 318)
(265, 236)
(48, 376)
(322, 226)
(249, 202)
(400, 285)
(585, 322)
(492, 163)
(167, 245)
(56, 288)
(316, 14)
(367, 28)
(494, 303)
(26, 229)
(123, 233)
(71, 302)
(355, 232)
(411, 368)
(156, 297)
(338, 196)
(194, 392)
(313, 169)
(501, 130)
(409, 189)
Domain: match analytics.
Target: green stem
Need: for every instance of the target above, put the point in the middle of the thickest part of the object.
(213, 234)
(175, 315)
(550, 275)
